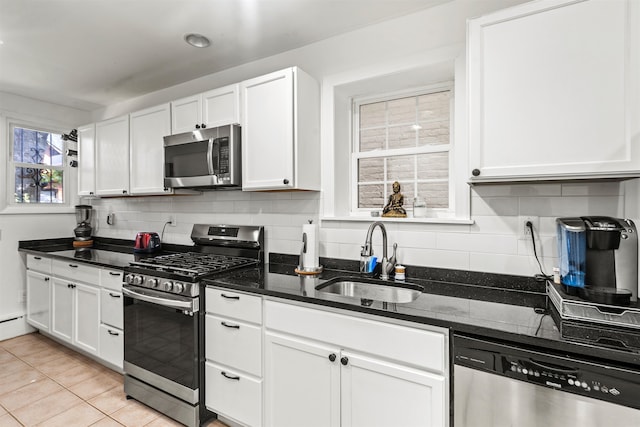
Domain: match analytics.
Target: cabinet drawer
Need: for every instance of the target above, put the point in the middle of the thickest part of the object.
(233, 343)
(39, 263)
(112, 345)
(75, 271)
(111, 308)
(234, 304)
(111, 279)
(233, 395)
(417, 347)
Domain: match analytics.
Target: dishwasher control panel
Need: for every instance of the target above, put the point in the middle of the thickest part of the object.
(539, 366)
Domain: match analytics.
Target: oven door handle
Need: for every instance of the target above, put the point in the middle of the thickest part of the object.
(165, 302)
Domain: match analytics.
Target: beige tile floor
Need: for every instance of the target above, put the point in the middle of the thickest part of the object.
(43, 383)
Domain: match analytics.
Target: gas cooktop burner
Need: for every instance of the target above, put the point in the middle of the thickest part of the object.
(194, 263)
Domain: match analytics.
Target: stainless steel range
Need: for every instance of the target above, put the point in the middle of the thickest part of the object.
(163, 323)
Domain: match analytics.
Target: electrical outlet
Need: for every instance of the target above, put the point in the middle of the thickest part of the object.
(172, 221)
(525, 231)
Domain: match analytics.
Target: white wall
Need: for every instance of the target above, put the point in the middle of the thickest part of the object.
(21, 226)
(491, 244)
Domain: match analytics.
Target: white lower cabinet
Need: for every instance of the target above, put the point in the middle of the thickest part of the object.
(87, 318)
(376, 392)
(79, 304)
(112, 345)
(62, 309)
(302, 384)
(38, 300)
(330, 369)
(233, 351)
(232, 394)
(75, 314)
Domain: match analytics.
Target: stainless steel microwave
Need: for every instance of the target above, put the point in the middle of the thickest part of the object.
(203, 158)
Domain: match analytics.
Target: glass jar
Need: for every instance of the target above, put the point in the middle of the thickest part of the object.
(419, 207)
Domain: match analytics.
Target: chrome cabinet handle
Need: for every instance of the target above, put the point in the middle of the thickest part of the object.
(114, 295)
(230, 297)
(73, 265)
(37, 257)
(112, 333)
(114, 274)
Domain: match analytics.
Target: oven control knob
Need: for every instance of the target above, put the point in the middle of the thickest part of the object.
(129, 278)
(138, 280)
(178, 287)
(168, 285)
(153, 283)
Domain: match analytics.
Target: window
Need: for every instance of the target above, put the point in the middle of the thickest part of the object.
(37, 166)
(404, 138)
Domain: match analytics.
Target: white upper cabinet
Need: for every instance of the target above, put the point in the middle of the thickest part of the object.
(112, 156)
(217, 107)
(281, 132)
(554, 91)
(147, 130)
(86, 160)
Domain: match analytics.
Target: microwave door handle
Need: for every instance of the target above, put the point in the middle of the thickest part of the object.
(216, 167)
(210, 156)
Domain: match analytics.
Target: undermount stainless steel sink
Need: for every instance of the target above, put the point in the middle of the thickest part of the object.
(371, 290)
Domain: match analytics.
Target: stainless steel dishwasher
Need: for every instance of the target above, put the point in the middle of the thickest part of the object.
(497, 384)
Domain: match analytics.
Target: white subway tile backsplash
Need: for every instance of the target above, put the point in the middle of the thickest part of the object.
(502, 264)
(593, 189)
(436, 258)
(495, 224)
(495, 244)
(517, 190)
(491, 244)
(491, 206)
(570, 206)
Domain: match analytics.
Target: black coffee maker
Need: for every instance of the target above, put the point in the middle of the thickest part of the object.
(599, 258)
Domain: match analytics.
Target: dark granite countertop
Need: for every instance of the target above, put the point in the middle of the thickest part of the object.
(105, 252)
(511, 314)
(511, 309)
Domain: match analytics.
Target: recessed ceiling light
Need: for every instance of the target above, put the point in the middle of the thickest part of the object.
(196, 40)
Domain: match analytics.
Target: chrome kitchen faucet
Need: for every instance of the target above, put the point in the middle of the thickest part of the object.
(367, 250)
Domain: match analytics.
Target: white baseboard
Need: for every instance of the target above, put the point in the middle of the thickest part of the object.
(14, 327)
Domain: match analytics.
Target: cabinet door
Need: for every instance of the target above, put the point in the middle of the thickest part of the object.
(111, 308)
(86, 160)
(267, 131)
(221, 106)
(554, 90)
(379, 393)
(302, 383)
(112, 345)
(62, 309)
(233, 394)
(38, 300)
(87, 317)
(235, 344)
(148, 128)
(186, 113)
(112, 157)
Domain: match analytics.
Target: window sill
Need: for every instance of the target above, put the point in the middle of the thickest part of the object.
(459, 221)
(24, 210)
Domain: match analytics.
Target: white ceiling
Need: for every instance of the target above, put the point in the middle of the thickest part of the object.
(92, 53)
